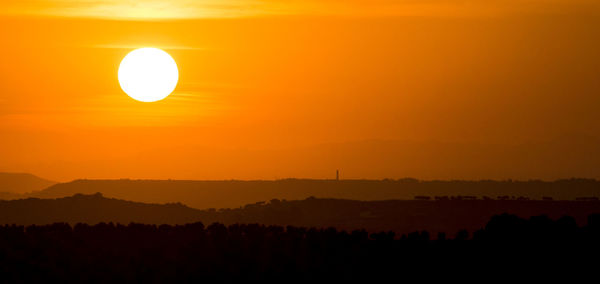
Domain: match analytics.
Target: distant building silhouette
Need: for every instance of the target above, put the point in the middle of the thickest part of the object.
(337, 174)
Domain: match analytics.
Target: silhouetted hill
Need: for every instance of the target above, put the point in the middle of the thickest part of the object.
(92, 209)
(231, 194)
(18, 183)
(401, 216)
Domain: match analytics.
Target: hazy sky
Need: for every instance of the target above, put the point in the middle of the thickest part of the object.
(273, 89)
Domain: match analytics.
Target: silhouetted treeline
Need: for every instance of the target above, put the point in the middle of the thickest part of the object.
(195, 253)
(234, 193)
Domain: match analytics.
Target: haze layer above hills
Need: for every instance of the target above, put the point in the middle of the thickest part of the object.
(565, 156)
(232, 194)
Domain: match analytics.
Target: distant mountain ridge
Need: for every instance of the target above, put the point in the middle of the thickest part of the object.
(20, 183)
(234, 193)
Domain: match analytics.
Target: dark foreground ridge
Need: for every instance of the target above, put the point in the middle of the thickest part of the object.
(400, 216)
(508, 245)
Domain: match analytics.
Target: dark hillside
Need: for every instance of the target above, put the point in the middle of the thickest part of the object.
(92, 209)
(401, 216)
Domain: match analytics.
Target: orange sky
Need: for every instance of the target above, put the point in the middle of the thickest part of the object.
(274, 89)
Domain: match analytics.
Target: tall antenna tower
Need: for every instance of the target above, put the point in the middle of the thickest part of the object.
(337, 174)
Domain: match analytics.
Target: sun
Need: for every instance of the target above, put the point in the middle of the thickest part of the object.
(148, 74)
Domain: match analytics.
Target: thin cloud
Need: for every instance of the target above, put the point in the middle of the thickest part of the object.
(135, 46)
(201, 9)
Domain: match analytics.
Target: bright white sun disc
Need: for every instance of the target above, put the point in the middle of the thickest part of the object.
(148, 74)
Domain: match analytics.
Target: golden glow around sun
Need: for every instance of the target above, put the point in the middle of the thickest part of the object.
(148, 74)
